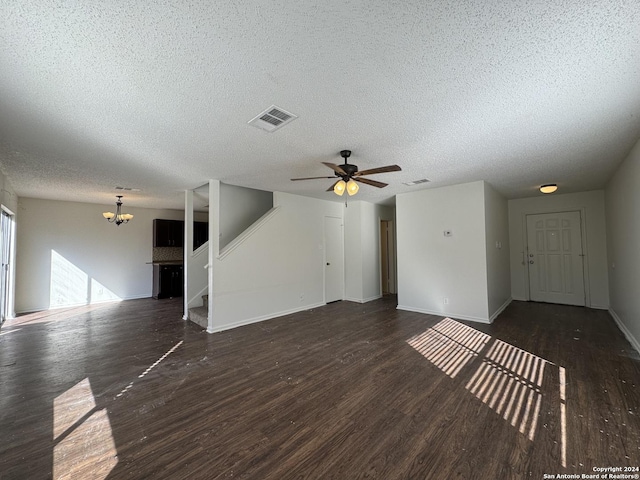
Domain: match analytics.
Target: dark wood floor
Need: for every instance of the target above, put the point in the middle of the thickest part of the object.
(346, 391)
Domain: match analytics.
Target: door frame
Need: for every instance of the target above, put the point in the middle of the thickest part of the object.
(391, 255)
(583, 240)
(324, 256)
(8, 305)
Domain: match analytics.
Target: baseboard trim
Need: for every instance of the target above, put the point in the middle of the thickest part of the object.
(261, 318)
(632, 340)
(500, 310)
(444, 314)
(363, 300)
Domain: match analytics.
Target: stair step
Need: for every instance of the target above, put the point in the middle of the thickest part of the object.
(198, 315)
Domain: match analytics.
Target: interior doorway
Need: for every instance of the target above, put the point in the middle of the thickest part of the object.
(555, 258)
(333, 259)
(387, 257)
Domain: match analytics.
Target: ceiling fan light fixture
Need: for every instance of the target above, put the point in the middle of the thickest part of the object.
(340, 187)
(352, 187)
(549, 188)
(349, 177)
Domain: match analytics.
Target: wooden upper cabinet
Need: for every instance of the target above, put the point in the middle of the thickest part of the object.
(168, 233)
(200, 234)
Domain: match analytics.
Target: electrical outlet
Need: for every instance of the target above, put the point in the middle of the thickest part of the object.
(445, 300)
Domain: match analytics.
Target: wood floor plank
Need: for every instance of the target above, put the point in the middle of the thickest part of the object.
(344, 391)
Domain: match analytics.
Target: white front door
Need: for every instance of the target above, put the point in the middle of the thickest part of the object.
(554, 258)
(333, 259)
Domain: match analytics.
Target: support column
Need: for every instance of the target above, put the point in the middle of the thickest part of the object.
(188, 249)
(214, 246)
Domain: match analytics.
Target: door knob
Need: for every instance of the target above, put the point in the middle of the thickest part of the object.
(531, 262)
(531, 254)
(328, 263)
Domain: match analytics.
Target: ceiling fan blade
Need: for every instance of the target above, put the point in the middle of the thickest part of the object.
(388, 168)
(331, 187)
(368, 181)
(335, 168)
(310, 178)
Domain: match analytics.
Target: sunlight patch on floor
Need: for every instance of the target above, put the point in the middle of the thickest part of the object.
(9, 331)
(509, 381)
(53, 315)
(84, 444)
(505, 378)
(449, 345)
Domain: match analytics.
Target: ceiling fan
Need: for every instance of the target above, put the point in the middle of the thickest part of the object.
(348, 175)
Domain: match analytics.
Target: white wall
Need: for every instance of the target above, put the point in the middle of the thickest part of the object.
(497, 248)
(239, 208)
(432, 266)
(277, 269)
(595, 240)
(362, 250)
(69, 249)
(623, 240)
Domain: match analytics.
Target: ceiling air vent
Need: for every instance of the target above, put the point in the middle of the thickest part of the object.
(272, 119)
(416, 182)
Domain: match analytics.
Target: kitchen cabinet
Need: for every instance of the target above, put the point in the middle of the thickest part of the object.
(167, 281)
(200, 234)
(168, 233)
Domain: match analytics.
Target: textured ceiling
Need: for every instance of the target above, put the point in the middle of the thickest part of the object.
(157, 95)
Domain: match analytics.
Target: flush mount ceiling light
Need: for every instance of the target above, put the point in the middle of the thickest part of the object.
(117, 217)
(549, 188)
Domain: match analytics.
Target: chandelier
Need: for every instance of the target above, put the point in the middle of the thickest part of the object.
(117, 217)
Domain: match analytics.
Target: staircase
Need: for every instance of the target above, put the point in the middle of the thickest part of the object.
(198, 315)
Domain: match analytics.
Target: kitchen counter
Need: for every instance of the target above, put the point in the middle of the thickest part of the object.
(166, 262)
